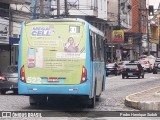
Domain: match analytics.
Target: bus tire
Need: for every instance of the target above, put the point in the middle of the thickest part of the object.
(92, 101)
(102, 88)
(32, 100)
(37, 100)
(3, 92)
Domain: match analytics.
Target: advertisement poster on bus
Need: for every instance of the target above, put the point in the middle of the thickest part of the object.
(54, 53)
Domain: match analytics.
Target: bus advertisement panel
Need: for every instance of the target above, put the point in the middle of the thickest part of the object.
(52, 53)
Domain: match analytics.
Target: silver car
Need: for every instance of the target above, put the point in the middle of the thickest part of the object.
(9, 79)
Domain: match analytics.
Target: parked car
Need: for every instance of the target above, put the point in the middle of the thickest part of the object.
(146, 65)
(149, 58)
(152, 60)
(112, 68)
(133, 70)
(156, 67)
(9, 79)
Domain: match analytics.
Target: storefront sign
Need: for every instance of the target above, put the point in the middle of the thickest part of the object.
(118, 36)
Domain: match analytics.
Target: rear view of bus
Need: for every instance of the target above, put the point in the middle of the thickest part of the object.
(54, 59)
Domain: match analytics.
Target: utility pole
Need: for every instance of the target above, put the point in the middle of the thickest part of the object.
(58, 8)
(111, 44)
(158, 34)
(10, 32)
(119, 15)
(41, 8)
(119, 19)
(66, 7)
(148, 36)
(139, 27)
(35, 10)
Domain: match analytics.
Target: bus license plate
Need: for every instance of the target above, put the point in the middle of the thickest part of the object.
(53, 80)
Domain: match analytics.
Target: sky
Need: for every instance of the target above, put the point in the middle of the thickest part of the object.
(153, 2)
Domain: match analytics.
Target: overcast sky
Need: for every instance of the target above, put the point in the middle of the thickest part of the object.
(153, 2)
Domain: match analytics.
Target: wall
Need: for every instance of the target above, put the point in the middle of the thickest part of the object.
(139, 16)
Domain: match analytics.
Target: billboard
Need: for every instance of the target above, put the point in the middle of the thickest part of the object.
(117, 36)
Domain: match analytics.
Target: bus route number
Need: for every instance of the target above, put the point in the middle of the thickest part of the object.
(33, 80)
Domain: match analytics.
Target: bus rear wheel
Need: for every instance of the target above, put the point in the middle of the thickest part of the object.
(37, 100)
(92, 101)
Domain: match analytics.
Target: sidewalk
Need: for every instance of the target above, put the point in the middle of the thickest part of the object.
(145, 100)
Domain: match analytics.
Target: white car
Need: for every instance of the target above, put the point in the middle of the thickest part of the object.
(146, 65)
(149, 58)
(122, 64)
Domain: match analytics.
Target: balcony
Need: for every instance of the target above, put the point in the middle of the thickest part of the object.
(13, 1)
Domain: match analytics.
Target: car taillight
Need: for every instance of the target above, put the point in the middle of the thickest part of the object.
(84, 75)
(137, 69)
(147, 63)
(2, 78)
(22, 74)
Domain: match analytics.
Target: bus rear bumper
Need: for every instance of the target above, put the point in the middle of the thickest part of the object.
(29, 89)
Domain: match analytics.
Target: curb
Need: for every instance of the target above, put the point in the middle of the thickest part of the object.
(157, 93)
(143, 105)
(131, 103)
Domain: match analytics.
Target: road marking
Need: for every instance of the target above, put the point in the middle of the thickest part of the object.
(154, 77)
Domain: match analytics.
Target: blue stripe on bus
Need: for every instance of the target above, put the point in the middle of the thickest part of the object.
(20, 51)
(80, 89)
(88, 59)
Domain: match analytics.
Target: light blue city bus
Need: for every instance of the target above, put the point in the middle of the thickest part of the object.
(61, 57)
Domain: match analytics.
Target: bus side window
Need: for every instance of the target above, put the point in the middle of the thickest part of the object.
(98, 48)
(102, 49)
(91, 47)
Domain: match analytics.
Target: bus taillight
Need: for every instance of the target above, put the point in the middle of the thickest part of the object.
(84, 74)
(22, 74)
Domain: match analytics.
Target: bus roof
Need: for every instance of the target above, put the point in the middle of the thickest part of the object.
(91, 27)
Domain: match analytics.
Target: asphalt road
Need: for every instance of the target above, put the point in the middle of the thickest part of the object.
(112, 99)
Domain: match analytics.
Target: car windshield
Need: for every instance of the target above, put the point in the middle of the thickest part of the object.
(12, 69)
(131, 65)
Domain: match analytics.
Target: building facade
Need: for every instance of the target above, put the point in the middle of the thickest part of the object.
(9, 28)
(134, 35)
(119, 18)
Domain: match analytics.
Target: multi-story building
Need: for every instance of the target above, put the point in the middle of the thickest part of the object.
(155, 33)
(139, 28)
(119, 17)
(132, 17)
(5, 32)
